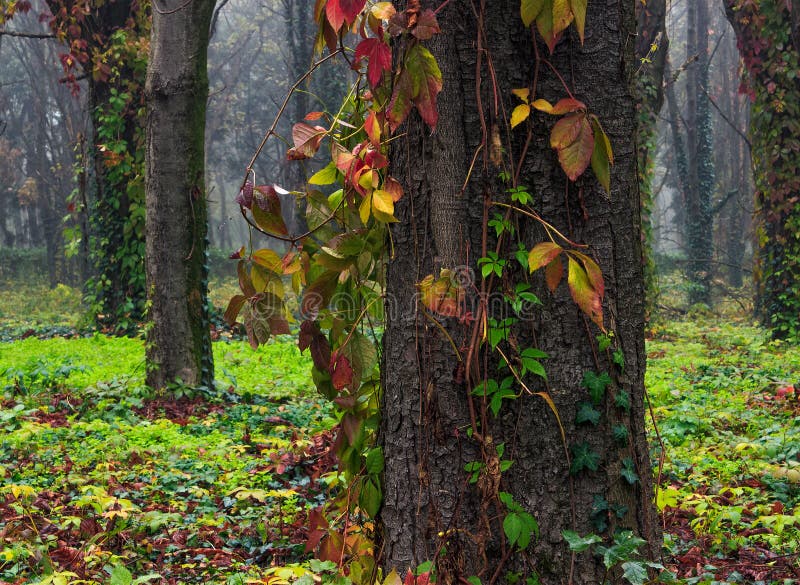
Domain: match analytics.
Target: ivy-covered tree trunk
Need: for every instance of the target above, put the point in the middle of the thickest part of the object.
(699, 217)
(596, 478)
(111, 35)
(178, 339)
(765, 33)
(651, 51)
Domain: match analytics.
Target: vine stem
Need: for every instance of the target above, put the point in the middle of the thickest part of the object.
(292, 239)
(285, 103)
(548, 226)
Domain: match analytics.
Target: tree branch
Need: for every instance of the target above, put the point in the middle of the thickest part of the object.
(27, 35)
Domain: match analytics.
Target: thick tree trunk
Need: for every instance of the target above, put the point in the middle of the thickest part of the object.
(178, 341)
(430, 509)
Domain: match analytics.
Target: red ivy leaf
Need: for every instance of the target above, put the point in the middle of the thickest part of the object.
(341, 11)
(554, 273)
(426, 26)
(306, 140)
(420, 81)
(234, 306)
(573, 139)
(380, 59)
(341, 371)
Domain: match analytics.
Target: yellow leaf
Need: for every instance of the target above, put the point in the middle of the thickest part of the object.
(364, 209)
(383, 10)
(520, 114)
(543, 106)
(578, 8)
(562, 16)
(529, 10)
(523, 93)
(383, 206)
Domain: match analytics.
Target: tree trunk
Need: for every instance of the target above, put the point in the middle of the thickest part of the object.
(430, 510)
(772, 81)
(178, 341)
(651, 51)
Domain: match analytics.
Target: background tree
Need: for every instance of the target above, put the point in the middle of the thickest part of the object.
(651, 51)
(771, 58)
(178, 339)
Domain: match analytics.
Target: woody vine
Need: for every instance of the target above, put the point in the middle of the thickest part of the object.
(337, 270)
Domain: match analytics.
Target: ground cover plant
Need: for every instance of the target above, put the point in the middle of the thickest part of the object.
(104, 481)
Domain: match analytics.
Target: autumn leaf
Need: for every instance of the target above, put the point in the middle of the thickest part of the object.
(602, 156)
(379, 55)
(543, 254)
(267, 210)
(584, 294)
(245, 196)
(426, 25)
(553, 274)
(562, 16)
(383, 10)
(383, 206)
(372, 126)
(529, 10)
(341, 371)
(234, 306)
(520, 114)
(269, 260)
(420, 82)
(563, 106)
(578, 8)
(343, 11)
(593, 273)
(573, 139)
(306, 140)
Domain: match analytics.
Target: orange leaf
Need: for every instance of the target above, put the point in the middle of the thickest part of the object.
(584, 294)
(573, 139)
(554, 273)
(542, 254)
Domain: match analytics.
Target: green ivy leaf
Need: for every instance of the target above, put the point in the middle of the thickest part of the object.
(587, 413)
(620, 433)
(579, 543)
(628, 471)
(635, 572)
(583, 458)
(370, 496)
(596, 385)
(623, 400)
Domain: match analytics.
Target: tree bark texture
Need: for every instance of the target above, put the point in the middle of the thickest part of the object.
(178, 340)
(430, 510)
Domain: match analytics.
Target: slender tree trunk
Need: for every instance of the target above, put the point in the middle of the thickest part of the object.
(178, 341)
(430, 510)
(651, 52)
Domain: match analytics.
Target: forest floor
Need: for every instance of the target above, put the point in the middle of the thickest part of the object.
(104, 481)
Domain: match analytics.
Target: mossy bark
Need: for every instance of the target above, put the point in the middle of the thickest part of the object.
(178, 340)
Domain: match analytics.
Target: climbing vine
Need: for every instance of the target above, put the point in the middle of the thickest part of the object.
(770, 78)
(336, 270)
(107, 44)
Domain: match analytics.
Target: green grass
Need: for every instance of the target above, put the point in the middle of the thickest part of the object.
(727, 415)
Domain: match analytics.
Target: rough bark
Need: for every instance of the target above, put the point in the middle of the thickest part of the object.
(430, 510)
(178, 340)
